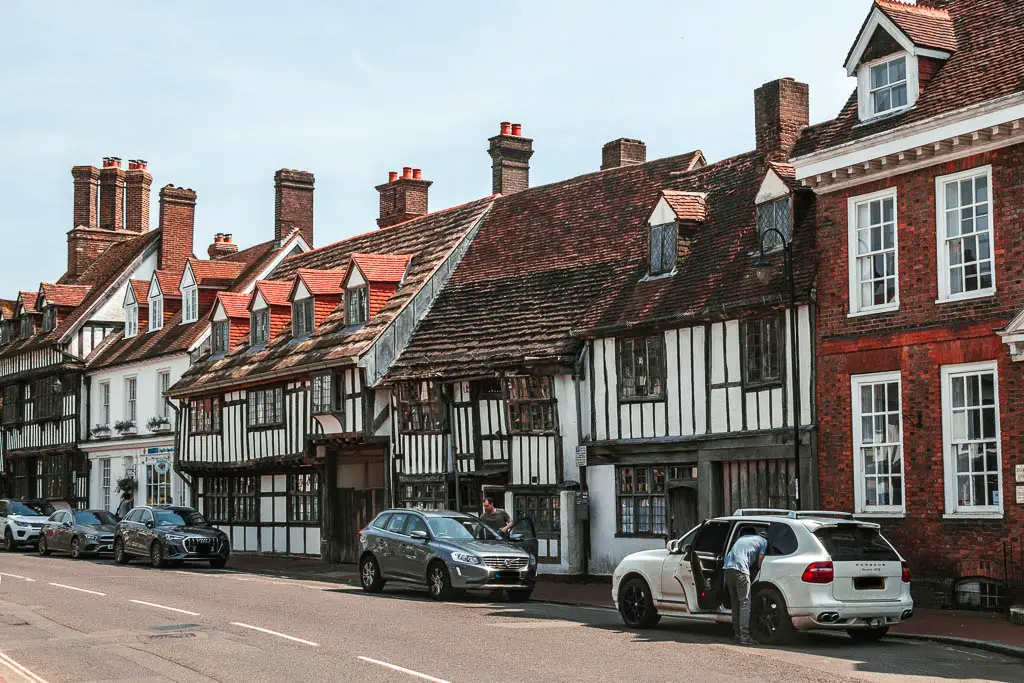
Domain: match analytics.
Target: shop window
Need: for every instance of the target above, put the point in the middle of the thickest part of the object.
(158, 485)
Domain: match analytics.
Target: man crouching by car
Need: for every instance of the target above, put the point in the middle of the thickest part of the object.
(740, 563)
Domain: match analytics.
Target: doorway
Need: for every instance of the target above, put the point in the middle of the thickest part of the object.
(682, 510)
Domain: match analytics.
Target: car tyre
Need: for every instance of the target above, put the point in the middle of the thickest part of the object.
(76, 548)
(439, 581)
(10, 545)
(218, 563)
(867, 635)
(770, 623)
(518, 595)
(369, 575)
(120, 554)
(636, 605)
(156, 555)
(44, 549)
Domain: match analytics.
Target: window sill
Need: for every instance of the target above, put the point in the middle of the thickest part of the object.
(880, 515)
(645, 399)
(873, 311)
(660, 276)
(995, 515)
(762, 386)
(263, 428)
(981, 294)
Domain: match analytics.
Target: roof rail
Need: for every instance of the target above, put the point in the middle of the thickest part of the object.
(747, 512)
(825, 513)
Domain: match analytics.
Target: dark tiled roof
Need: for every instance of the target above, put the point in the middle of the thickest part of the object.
(255, 259)
(988, 64)
(430, 238)
(64, 295)
(926, 26)
(539, 260)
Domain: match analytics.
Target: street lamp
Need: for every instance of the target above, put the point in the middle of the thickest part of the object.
(763, 269)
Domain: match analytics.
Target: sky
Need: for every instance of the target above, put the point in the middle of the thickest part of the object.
(218, 96)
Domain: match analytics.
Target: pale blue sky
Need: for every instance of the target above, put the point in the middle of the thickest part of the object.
(217, 96)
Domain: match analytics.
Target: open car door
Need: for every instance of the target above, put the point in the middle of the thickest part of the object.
(524, 534)
(706, 557)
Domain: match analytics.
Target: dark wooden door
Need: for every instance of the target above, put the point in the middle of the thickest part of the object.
(682, 510)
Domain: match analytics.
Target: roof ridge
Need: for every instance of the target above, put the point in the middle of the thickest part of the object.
(939, 12)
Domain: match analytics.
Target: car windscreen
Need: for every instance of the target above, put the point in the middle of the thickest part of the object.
(460, 528)
(31, 509)
(852, 543)
(179, 518)
(94, 518)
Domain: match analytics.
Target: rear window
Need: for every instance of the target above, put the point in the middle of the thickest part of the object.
(382, 520)
(850, 543)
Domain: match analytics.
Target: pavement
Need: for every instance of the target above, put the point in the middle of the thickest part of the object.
(65, 620)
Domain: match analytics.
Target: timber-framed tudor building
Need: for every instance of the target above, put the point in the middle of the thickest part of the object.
(832, 319)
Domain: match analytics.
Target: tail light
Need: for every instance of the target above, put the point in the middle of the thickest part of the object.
(818, 572)
(359, 535)
(906, 573)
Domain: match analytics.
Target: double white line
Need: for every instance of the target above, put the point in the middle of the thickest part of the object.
(19, 669)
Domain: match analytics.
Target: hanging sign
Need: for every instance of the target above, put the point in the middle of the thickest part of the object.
(1019, 471)
(162, 467)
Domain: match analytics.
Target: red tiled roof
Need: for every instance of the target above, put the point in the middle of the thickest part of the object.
(28, 301)
(275, 292)
(255, 258)
(688, 206)
(382, 267)
(7, 308)
(926, 26)
(218, 273)
(169, 282)
(236, 304)
(323, 281)
(987, 64)
(64, 295)
(140, 288)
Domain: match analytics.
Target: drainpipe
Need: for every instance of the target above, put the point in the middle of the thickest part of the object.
(175, 457)
(579, 368)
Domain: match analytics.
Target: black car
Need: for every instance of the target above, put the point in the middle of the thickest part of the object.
(168, 533)
(78, 532)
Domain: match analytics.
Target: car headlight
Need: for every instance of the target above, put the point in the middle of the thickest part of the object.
(18, 522)
(174, 537)
(92, 537)
(465, 558)
(533, 559)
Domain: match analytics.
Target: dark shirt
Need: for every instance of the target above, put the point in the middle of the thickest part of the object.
(124, 508)
(496, 520)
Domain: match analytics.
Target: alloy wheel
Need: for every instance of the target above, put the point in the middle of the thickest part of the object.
(369, 573)
(43, 550)
(768, 615)
(9, 544)
(634, 602)
(437, 581)
(76, 549)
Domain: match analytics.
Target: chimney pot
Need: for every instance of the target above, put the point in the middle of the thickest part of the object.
(510, 160)
(417, 174)
(506, 128)
(293, 204)
(403, 198)
(407, 171)
(392, 176)
(227, 237)
(221, 247)
(517, 129)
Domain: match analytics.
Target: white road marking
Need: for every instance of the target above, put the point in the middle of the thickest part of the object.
(15, 576)
(169, 609)
(80, 590)
(402, 669)
(19, 669)
(275, 633)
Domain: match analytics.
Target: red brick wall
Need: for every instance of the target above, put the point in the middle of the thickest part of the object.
(293, 204)
(918, 339)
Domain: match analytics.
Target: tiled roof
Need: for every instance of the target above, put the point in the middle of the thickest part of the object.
(255, 258)
(323, 281)
(988, 64)
(430, 238)
(541, 257)
(169, 282)
(236, 304)
(140, 288)
(926, 26)
(28, 301)
(688, 206)
(275, 292)
(7, 308)
(218, 273)
(64, 295)
(382, 267)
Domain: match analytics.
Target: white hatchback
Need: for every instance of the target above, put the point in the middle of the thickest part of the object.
(823, 570)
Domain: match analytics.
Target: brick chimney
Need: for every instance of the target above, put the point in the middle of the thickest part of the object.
(293, 204)
(780, 113)
(403, 197)
(111, 194)
(177, 222)
(87, 184)
(136, 205)
(623, 152)
(510, 159)
(222, 246)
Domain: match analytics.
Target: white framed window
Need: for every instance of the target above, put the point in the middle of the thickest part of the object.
(105, 403)
(163, 383)
(131, 400)
(156, 313)
(963, 204)
(777, 214)
(877, 416)
(131, 320)
(189, 304)
(105, 482)
(873, 252)
(888, 85)
(970, 434)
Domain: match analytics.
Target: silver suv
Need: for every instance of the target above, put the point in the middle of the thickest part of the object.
(823, 570)
(449, 552)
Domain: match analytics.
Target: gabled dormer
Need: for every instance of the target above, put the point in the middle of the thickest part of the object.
(155, 298)
(774, 208)
(670, 228)
(314, 295)
(371, 280)
(230, 324)
(28, 314)
(7, 323)
(55, 301)
(189, 289)
(269, 311)
(164, 295)
(136, 305)
(899, 49)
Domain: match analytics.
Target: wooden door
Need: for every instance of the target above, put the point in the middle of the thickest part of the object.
(682, 510)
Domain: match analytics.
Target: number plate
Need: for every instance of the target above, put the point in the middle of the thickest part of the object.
(869, 583)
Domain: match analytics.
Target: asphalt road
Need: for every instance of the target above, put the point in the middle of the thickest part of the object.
(91, 620)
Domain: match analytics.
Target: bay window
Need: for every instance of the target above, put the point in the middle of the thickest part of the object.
(204, 416)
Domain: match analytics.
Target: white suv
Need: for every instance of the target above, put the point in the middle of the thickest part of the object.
(21, 521)
(823, 570)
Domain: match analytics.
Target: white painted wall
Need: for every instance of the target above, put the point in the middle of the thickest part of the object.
(148, 401)
(605, 549)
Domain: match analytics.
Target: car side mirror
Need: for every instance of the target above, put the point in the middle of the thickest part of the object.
(419, 535)
(672, 546)
(516, 536)
(150, 524)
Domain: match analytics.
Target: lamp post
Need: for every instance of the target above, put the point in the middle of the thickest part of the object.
(763, 269)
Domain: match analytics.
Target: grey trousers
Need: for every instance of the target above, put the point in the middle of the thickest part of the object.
(739, 598)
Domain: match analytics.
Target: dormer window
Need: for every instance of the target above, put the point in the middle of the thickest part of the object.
(189, 304)
(131, 320)
(889, 85)
(772, 216)
(357, 305)
(27, 327)
(221, 334)
(156, 313)
(663, 247)
(259, 327)
(50, 319)
(5, 331)
(302, 317)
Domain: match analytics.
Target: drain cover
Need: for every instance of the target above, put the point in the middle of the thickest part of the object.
(175, 627)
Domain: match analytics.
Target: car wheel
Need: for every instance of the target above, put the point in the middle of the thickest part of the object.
(520, 595)
(219, 562)
(44, 549)
(769, 618)
(867, 635)
(9, 543)
(636, 606)
(76, 548)
(156, 555)
(120, 555)
(369, 575)
(439, 581)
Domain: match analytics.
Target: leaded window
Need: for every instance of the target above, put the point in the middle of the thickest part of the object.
(302, 317)
(244, 498)
(761, 351)
(664, 246)
(50, 319)
(221, 334)
(425, 495)
(641, 501)
(420, 407)
(323, 397)
(774, 216)
(266, 407)
(28, 327)
(47, 398)
(205, 416)
(531, 405)
(642, 368)
(304, 497)
(11, 404)
(357, 305)
(259, 327)
(217, 499)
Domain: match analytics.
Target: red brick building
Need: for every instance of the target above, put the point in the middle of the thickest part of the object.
(920, 234)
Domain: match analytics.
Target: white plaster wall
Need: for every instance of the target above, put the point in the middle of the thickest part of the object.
(148, 400)
(605, 549)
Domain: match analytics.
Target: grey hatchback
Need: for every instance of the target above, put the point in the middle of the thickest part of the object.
(449, 552)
